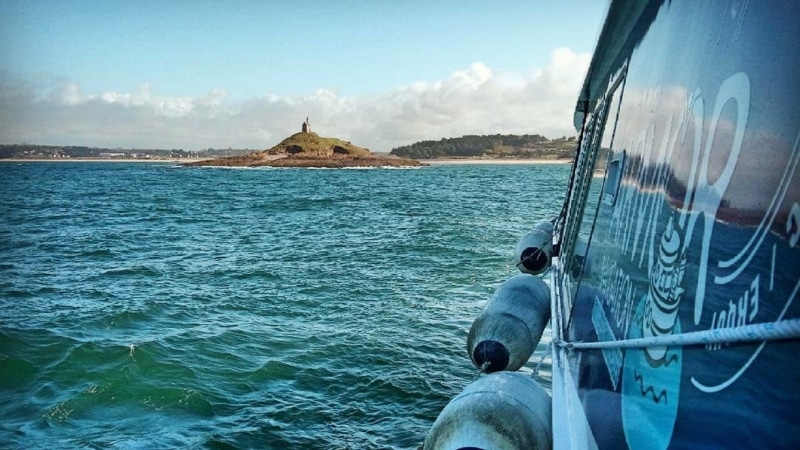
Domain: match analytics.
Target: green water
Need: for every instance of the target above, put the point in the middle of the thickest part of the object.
(153, 306)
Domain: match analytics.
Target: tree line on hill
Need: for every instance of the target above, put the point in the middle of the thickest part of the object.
(493, 146)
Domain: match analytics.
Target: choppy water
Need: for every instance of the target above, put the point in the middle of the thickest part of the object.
(153, 306)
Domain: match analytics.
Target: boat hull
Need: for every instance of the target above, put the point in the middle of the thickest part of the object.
(693, 227)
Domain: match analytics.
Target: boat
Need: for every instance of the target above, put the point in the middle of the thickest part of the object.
(675, 264)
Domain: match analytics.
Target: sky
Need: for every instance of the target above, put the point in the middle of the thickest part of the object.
(245, 74)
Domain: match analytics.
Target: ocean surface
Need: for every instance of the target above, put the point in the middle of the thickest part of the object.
(156, 306)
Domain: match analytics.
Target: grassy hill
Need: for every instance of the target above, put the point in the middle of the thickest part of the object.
(310, 150)
(312, 144)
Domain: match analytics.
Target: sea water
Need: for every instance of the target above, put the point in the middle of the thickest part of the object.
(157, 306)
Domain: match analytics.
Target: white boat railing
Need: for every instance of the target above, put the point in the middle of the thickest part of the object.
(757, 332)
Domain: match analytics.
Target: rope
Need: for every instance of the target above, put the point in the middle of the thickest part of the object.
(769, 331)
(541, 360)
(536, 253)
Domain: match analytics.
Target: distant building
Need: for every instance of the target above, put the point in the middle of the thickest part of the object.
(306, 126)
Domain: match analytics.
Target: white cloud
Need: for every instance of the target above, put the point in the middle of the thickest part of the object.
(475, 100)
(70, 94)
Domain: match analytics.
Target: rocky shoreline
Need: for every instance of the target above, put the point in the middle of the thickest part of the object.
(307, 161)
(308, 149)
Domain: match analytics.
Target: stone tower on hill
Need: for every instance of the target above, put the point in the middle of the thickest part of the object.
(306, 128)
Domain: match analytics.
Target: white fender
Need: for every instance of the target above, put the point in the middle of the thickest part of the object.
(505, 333)
(534, 251)
(499, 411)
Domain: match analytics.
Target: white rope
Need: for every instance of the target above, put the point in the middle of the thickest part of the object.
(541, 360)
(769, 331)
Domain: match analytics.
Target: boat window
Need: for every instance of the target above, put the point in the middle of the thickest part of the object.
(597, 165)
(613, 177)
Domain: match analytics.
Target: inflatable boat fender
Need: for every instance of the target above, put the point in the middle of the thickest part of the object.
(506, 332)
(499, 411)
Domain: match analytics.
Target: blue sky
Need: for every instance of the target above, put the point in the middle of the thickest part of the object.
(199, 74)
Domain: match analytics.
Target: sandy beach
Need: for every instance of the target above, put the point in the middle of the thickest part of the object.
(494, 161)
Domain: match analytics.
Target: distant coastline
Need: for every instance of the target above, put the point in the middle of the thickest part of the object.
(433, 162)
(103, 160)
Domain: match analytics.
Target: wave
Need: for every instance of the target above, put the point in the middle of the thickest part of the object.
(131, 271)
(268, 307)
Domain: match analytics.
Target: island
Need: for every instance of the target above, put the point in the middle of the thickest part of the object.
(308, 149)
